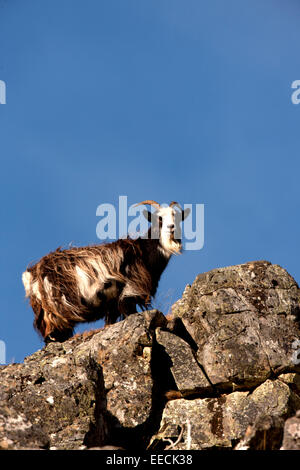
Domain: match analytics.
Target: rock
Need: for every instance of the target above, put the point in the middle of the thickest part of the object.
(221, 422)
(124, 351)
(89, 387)
(188, 376)
(17, 433)
(59, 393)
(243, 320)
(291, 437)
(223, 373)
(264, 434)
(292, 380)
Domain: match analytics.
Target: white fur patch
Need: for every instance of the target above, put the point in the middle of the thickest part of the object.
(83, 280)
(169, 247)
(87, 288)
(31, 288)
(100, 268)
(48, 287)
(64, 300)
(26, 278)
(35, 290)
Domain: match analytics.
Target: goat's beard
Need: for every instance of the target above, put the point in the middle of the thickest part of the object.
(170, 244)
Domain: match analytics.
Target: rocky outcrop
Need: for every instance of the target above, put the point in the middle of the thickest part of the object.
(224, 372)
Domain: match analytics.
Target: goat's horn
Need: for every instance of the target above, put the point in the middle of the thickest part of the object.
(173, 203)
(152, 203)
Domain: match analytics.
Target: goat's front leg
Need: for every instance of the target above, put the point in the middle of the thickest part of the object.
(59, 336)
(127, 307)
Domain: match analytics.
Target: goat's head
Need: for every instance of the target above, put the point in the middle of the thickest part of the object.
(165, 225)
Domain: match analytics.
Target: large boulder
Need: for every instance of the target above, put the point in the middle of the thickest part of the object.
(243, 322)
(57, 391)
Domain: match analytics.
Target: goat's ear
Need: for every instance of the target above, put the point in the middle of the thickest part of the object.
(147, 215)
(185, 213)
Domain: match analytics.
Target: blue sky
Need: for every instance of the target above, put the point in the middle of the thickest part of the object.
(164, 100)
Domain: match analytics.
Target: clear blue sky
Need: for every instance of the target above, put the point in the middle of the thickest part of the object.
(153, 99)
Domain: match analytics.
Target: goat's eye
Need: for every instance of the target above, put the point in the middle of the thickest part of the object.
(160, 220)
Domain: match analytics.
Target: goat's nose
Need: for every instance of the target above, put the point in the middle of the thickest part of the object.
(171, 226)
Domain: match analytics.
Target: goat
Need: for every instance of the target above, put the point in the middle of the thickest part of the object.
(105, 281)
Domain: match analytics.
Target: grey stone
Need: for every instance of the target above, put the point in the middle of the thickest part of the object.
(209, 423)
(187, 373)
(291, 437)
(244, 320)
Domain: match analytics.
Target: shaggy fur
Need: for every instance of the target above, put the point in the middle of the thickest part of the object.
(103, 281)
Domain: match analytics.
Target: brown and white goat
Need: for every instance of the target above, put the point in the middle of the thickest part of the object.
(102, 281)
